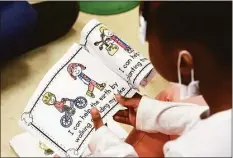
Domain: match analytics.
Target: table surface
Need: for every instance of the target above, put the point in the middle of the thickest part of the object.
(21, 76)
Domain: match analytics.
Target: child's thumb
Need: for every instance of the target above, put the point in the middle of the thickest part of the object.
(96, 118)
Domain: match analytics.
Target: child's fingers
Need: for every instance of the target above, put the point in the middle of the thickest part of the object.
(121, 119)
(96, 118)
(128, 102)
(123, 113)
(161, 96)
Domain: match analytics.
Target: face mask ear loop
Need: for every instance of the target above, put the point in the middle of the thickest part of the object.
(179, 75)
(178, 68)
(142, 28)
(182, 92)
(192, 75)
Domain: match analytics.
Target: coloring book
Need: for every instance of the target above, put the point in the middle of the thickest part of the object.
(25, 145)
(87, 76)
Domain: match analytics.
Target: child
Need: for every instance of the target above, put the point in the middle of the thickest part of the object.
(198, 36)
(50, 99)
(76, 71)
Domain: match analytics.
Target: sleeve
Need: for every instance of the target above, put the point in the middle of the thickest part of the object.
(172, 118)
(105, 144)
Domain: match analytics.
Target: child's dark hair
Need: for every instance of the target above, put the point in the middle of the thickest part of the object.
(208, 23)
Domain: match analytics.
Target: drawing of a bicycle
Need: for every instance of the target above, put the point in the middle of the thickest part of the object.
(62, 106)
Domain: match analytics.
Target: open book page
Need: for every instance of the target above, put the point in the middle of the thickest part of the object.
(58, 113)
(116, 54)
(25, 145)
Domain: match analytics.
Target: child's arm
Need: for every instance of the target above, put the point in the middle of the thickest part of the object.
(152, 116)
(104, 143)
(172, 118)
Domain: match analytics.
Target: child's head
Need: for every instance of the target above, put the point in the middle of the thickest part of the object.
(49, 98)
(74, 69)
(203, 29)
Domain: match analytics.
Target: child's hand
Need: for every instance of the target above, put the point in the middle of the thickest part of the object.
(127, 116)
(95, 114)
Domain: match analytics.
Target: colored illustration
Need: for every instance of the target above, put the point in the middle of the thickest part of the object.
(76, 71)
(107, 42)
(62, 106)
(108, 39)
(47, 150)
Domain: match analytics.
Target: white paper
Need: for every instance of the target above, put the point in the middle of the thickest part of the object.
(25, 145)
(115, 53)
(58, 113)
